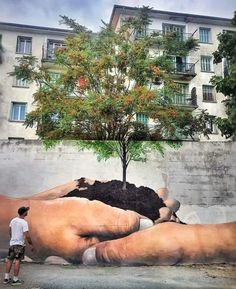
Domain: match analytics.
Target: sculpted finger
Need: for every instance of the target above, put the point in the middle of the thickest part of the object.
(61, 190)
(103, 221)
(168, 244)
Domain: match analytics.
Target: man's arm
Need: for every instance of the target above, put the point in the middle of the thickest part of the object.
(10, 232)
(28, 238)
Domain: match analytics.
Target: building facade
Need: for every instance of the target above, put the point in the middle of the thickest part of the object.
(16, 95)
(192, 73)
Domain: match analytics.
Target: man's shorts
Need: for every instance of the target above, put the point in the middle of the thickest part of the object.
(16, 252)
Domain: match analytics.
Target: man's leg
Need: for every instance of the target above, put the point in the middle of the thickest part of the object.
(16, 269)
(9, 261)
(8, 265)
(19, 255)
(16, 280)
(8, 270)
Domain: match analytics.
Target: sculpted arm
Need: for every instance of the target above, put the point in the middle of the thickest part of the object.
(169, 244)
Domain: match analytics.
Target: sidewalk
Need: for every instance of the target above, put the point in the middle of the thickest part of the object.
(41, 276)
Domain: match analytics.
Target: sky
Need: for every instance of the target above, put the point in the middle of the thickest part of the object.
(90, 12)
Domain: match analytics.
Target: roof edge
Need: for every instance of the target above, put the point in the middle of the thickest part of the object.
(34, 27)
(116, 6)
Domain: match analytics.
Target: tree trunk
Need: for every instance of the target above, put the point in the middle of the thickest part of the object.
(123, 148)
(124, 176)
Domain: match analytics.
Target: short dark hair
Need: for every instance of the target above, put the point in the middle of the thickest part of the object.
(22, 210)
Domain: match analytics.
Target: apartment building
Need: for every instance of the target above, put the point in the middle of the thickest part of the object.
(16, 95)
(191, 73)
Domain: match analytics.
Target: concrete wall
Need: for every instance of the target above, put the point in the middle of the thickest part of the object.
(202, 176)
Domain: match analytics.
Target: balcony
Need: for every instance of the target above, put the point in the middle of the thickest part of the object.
(184, 71)
(155, 33)
(48, 57)
(185, 100)
(48, 52)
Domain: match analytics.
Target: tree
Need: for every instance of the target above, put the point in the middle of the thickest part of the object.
(227, 84)
(107, 79)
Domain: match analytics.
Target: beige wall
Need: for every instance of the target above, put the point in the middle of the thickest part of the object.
(8, 93)
(201, 175)
(216, 108)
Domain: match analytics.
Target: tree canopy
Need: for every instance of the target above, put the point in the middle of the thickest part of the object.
(104, 82)
(227, 83)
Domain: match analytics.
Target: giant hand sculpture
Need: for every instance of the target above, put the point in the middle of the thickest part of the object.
(67, 227)
(77, 230)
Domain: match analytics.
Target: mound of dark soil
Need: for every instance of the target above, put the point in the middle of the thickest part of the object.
(142, 199)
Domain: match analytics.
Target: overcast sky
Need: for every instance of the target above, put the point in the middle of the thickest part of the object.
(90, 12)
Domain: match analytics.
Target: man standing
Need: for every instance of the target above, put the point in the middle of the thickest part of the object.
(19, 231)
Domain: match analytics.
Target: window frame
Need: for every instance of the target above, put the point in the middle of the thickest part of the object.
(180, 28)
(206, 99)
(209, 38)
(181, 96)
(211, 126)
(54, 76)
(18, 46)
(21, 104)
(50, 53)
(142, 118)
(210, 63)
(19, 82)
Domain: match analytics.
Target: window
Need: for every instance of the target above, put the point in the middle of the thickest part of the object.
(181, 97)
(207, 91)
(54, 76)
(140, 117)
(179, 63)
(173, 28)
(204, 35)
(24, 45)
(19, 82)
(211, 126)
(52, 45)
(18, 111)
(225, 67)
(206, 63)
(177, 29)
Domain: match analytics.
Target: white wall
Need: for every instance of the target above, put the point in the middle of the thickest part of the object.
(202, 176)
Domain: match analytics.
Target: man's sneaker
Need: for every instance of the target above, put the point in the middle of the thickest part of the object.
(17, 282)
(7, 280)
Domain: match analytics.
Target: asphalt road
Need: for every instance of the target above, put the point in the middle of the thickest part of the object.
(42, 276)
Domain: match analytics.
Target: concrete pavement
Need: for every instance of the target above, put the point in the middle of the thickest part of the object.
(43, 276)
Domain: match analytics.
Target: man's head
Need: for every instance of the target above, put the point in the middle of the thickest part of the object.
(22, 211)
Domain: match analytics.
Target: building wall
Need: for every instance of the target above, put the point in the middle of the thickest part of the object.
(200, 175)
(192, 25)
(8, 93)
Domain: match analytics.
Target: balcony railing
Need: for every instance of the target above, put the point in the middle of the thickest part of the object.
(48, 54)
(184, 100)
(184, 68)
(155, 33)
